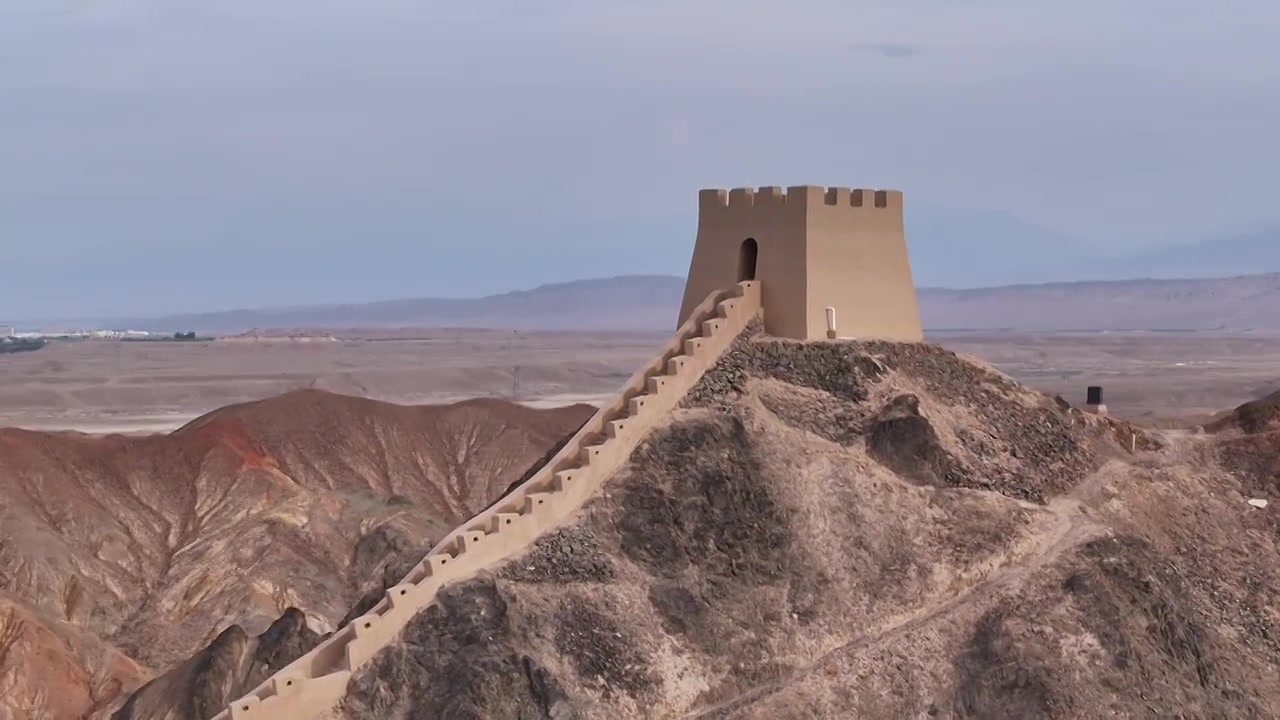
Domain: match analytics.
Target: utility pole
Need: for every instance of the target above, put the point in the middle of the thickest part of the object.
(515, 368)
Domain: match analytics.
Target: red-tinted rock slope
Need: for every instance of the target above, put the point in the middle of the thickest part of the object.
(121, 556)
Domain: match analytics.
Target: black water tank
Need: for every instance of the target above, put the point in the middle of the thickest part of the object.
(1094, 395)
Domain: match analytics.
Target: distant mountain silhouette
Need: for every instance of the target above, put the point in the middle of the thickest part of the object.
(1226, 255)
(288, 254)
(971, 248)
(312, 259)
(1248, 302)
(650, 302)
(629, 302)
(960, 249)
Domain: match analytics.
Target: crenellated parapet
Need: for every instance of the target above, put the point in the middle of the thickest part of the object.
(798, 196)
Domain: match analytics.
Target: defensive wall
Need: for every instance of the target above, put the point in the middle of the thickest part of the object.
(812, 248)
(316, 682)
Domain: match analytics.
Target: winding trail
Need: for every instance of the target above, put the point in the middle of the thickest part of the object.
(1069, 527)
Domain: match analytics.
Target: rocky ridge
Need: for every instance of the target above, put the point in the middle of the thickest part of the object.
(831, 530)
(121, 557)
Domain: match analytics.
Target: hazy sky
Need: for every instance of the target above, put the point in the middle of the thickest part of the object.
(240, 136)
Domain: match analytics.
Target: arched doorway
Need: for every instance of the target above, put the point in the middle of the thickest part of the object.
(747, 260)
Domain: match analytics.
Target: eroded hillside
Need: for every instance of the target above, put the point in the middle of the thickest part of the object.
(837, 530)
(121, 556)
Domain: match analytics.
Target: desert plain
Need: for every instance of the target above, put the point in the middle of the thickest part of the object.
(1160, 379)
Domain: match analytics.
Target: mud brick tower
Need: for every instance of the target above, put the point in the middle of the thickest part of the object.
(819, 254)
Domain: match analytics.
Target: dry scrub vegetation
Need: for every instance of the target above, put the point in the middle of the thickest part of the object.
(821, 530)
(837, 530)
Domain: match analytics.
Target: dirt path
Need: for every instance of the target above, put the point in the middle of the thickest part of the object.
(1069, 527)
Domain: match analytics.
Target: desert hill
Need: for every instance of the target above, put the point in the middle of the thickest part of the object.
(867, 530)
(1252, 418)
(1248, 445)
(120, 556)
(834, 530)
(651, 302)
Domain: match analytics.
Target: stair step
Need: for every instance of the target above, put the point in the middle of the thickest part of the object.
(566, 478)
(401, 595)
(616, 428)
(470, 539)
(533, 502)
(589, 454)
(502, 520)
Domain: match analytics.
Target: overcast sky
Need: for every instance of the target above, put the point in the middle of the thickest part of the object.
(144, 132)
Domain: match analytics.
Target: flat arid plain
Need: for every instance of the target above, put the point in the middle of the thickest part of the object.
(139, 387)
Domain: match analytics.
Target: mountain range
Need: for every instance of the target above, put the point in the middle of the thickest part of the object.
(974, 249)
(304, 254)
(650, 302)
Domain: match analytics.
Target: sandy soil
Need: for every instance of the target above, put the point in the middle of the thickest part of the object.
(114, 387)
(1161, 379)
(877, 530)
(105, 387)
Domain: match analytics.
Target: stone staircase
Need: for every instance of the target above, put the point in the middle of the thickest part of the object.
(313, 684)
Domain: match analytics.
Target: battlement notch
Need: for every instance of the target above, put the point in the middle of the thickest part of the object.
(772, 196)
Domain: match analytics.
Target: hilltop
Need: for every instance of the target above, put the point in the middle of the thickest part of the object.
(120, 556)
(867, 530)
(830, 530)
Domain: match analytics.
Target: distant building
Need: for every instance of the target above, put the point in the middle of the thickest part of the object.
(113, 334)
(7, 331)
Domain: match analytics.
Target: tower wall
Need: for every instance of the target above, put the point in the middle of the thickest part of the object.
(775, 220)
(858, 264)
(817, 248)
